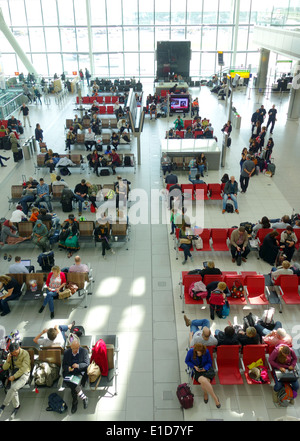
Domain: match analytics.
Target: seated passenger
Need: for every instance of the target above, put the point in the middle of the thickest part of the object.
(239, 244)
(68, 238)
(56, 280)
(40, 236)
(55, 336)
(288, 239)
(285, 269)
(270, 247)
(227, 337)
(283, 358)
(10, 235)
(264, 223)
(78, 267)
(18, 215)
(10, 290)
(285, 222)
(230, 189)
(210, 269)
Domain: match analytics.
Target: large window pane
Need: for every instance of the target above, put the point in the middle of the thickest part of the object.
(226, 11)
(21, 35)
(37, 41)
(52, 39)
(130, 12)
(55, 64)
(209, 36)
(65, 12)
(194, 36)
(84, 62)
(5, 11)
(98, 14)
(99, 39)
(146, 39)
(101, 65)
(195, 64)
(114, 12)
(210, 11)
(224, 38)
(40, 63)
(115, 43)
(9, 64)
(242, 38)
(162, 33)
(194, 12)
(80, 12)
(116, 65)
(70, 63)
(17, 12)
(68, 39)
(33, 11)
(131, 39)
(253, 60)
(146, 12)
(147, 64)
(208, 64)
(49, 12)
(244, 11)
(178, 12)
(82, 39)
(240, 60)
(131, 65)
(162, 12)
(177, 33)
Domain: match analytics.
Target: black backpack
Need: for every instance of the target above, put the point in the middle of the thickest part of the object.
(228, 142)
(104, 172)
(229, 207)
(56, 404)
(127, 161)
(248, 226)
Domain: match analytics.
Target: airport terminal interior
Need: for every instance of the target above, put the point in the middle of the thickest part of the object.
(136, 293)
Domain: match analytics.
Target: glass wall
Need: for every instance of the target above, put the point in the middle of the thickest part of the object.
(124, 33)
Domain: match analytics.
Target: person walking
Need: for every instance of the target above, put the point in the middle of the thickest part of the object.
(25, 111)
(247, 171)
(272, 118)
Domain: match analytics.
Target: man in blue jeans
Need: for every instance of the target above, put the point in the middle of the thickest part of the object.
(81, 193)
(200, 332)
(43, 194)
(230, 189)
(56, 336)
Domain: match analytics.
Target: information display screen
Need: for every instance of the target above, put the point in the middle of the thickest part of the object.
(179, 103)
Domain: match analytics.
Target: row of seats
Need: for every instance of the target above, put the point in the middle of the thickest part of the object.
(256, 290)
(77, 159)
(55, 355)
(201, 192)
(107, 99)
(230, 360)
(86, 123)
(82, 280)
(196, 133)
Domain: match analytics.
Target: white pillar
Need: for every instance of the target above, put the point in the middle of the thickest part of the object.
(263, 68)
(294, 104)
(15, 45)
(90, 38)
(236, 32)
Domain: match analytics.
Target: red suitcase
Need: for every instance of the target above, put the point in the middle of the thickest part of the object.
(185, 396)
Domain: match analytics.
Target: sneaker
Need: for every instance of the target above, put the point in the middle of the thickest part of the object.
(223, 211)
(41, 309)
(74, 407)
(187, 321)
(112, 251)
(85, 403)
(237, 211)
(184, 262)
(14, 412)
(233, 260)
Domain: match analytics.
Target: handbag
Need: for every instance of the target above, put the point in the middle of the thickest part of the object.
(183, 240)
(64, 294)
(94, 373)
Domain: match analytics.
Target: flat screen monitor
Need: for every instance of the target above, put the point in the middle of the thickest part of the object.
(179, 103)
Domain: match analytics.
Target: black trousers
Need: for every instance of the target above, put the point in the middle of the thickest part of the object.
(234, 251)
(244, 182)
(272, 122)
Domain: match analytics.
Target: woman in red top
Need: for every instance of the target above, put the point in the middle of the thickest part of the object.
(55, 281)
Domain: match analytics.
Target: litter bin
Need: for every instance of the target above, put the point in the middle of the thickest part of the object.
(26, 151)
(237, 121)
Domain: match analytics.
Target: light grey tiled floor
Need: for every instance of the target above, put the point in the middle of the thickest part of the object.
(136, 292)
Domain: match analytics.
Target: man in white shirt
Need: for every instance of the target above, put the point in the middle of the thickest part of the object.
(18, 267)
(78, 267)
(284, 270)
(55, 336)
(59, 181)
(204, 337)
(18, 215)
(89, 140)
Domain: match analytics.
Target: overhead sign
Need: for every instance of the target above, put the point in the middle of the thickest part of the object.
(243, 73)
(220, 58)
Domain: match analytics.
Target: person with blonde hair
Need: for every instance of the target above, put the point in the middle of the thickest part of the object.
(217, 300)
(283, 358)
(285, 270)
(199, 361)
(56, 280)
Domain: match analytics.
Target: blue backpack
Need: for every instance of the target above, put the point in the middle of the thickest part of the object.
(56, 404)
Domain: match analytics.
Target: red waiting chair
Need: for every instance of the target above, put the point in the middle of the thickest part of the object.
(187, 123)
(186, 283)
(198, 133)
(180, 133)
(214, 191)
(114, 99)
(85, 99)
(230, 279)
(252, 353)
(245, 274)
(107, 99)
(219, 239)
(102, 110)
(201, 191)
(261, 234)
(255, 290)
(110, 110)
(188, 191)
(99, 99)
(205, 236)
(208, 278)
(289, 290)
(228, 358)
